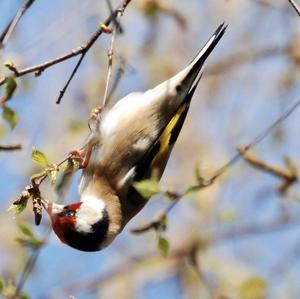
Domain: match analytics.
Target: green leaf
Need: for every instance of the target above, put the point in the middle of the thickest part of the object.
(1, 286)
(10, 116)
(30, 243)
(10, 87)
(39, 157)
(17, 208)
(147, 188)
(7, 288)
(29, 239)
(163, 245)
(24, 296)
(199, 179)
(20, 204)
(253, 288)
(26, 230)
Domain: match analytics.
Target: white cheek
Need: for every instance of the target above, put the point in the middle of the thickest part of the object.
(83, 226)
(89, 213)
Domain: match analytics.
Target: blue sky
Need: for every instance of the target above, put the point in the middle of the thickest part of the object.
(235, 107)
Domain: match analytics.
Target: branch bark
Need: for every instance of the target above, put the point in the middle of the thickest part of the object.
(31, 261)
(13, 147)
(295, 6)
(81, 50)
(289, 175)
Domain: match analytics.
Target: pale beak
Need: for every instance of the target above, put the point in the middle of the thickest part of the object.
(47, 205)
(52, 208)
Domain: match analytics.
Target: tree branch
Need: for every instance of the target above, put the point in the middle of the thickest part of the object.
(156, 224)
(81, 50)
(13, 147)
(288, 175)
(5, 35)
(185, 250)
(110, 62)
(62, 91)
(31, 262)
(295, 6)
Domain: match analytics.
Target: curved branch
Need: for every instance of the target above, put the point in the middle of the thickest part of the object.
(295, 6)
(5, 35)
(81, 50)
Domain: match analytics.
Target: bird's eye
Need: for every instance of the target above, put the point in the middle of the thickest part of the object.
(70, 213)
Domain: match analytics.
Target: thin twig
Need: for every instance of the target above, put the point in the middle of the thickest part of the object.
(295, 6)
(13, 147)
(196, 265)
(115, 21)
(220, 66)
(62, 91)
(26, 271)
(207, 239)
(288, 175)
(155, 224)
(284, 174)
(113, 16)
(82, 50)
(110, 63)
(5, 35)
(259, 138)
(118, 76)
(31, 262)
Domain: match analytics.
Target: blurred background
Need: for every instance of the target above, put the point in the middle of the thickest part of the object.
(240, 237)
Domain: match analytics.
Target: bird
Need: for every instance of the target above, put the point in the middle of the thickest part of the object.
(134, 140)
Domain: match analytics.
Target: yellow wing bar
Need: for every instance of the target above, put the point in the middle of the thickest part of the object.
(169, 136)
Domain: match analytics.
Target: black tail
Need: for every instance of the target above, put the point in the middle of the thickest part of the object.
(207, 49)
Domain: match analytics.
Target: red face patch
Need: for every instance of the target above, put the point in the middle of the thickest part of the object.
(65, 221)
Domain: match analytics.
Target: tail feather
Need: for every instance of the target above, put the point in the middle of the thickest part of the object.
(203, 54)
(189, 77)
(209, 46)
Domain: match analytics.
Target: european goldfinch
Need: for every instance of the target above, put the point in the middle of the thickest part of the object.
(135, 139)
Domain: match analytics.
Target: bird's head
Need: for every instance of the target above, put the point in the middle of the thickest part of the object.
(83, 225)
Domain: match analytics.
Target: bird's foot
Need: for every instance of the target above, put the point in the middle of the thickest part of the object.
(82, 155)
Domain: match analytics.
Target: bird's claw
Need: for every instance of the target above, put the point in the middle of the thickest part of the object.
(83, 155)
